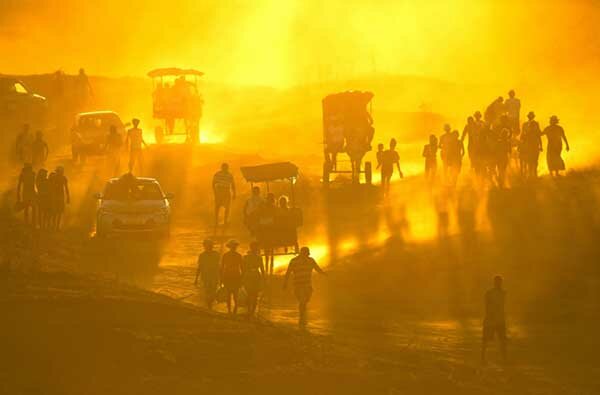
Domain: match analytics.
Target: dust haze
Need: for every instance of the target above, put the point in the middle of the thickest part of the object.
(409, 267)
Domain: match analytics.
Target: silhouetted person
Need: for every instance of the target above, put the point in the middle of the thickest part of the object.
(231, 274)
(513, 111)
(114, 144)
(445, 145)
(253, 270)
(479, 149)
(26, 195)
(430, 155)
(455, 153)
(301, 267)
(208, 270)
(494, 322)
(266, 229)
(530, 146)
(135, 141)
(251, 209)
(285, 224)
(224, 190)
(471, 130)
(39, 150)
(555, 134)
(59, 195)
(43, 198)
(83, 89)
(23, 145)
(389, 159)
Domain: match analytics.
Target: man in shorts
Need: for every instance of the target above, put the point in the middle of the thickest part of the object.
(135, 141)
(224, 190)
(494, 322)
(302, 267)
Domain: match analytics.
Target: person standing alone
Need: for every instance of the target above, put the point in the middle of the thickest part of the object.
(135, 141)
(494, 322)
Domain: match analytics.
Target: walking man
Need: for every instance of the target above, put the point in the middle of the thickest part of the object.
(224, 190)
(389, 158)
(26, 195)
(39, 150)
(302, 267)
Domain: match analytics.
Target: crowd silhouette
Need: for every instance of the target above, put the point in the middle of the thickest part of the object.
(495, 143)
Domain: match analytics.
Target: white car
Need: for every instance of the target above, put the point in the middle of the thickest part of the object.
(131, 205)
(92, 129)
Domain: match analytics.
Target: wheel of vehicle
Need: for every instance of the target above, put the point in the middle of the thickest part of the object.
(326, 172)
(368, 173)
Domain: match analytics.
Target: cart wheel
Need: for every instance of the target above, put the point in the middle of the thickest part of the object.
(159, 134)
(326, 171)
(368, 173)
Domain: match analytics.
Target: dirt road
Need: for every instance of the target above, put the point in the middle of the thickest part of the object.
(406, 302)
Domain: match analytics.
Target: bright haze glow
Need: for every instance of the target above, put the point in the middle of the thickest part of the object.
(282, 43)
(268, 63)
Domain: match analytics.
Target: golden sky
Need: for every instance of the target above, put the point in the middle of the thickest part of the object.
(288, 42)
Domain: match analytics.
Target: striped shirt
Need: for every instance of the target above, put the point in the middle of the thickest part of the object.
(222, 181)
(302, 267)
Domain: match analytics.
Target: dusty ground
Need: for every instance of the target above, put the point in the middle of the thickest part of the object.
(400, 311)
(71, 335)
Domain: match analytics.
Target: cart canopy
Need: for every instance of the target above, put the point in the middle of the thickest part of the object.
(173, 71)
(270, 172)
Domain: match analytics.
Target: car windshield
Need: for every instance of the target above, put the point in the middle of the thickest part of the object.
(99, 122)
(133, 191)
(8, 86)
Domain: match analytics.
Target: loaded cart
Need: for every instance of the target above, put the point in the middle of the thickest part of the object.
(347, 128)
(274, 224)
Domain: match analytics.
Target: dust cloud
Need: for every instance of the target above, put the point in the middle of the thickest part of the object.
(408, 272)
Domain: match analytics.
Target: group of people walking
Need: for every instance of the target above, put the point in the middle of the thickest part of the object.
(230, 273)
(494, 140)
(42, 196)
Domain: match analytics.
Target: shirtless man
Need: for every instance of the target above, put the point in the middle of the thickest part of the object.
(135, 141)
